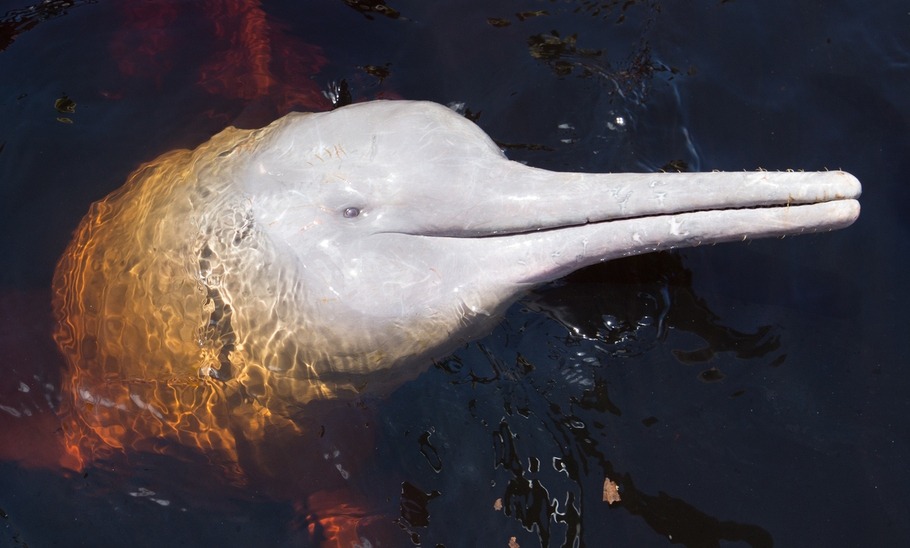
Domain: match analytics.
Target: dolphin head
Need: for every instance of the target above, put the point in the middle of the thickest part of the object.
(409, 232)
(345, 250)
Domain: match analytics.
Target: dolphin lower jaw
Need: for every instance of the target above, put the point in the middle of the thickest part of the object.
(547, 254)
(378, 362)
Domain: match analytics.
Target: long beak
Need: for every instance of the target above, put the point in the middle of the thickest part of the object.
(547, 224)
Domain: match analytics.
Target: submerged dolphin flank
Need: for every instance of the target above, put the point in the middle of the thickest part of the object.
(342, 251)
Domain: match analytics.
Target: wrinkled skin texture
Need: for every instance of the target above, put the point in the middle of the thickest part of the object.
(327, 255)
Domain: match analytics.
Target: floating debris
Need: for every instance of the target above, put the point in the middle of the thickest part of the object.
(611, 492)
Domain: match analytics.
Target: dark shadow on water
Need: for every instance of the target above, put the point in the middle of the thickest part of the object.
(544, 395)
(630, 304)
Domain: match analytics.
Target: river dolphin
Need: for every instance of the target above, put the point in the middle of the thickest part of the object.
(339, 253)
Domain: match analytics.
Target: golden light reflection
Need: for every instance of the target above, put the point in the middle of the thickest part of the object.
(147, 325)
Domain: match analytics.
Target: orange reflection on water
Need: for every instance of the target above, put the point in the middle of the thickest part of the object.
(341, 523)
(155, 364)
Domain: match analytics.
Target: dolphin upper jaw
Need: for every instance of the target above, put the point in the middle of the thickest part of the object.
(603, 216)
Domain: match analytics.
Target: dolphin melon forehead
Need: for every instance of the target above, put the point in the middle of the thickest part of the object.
(381, 132)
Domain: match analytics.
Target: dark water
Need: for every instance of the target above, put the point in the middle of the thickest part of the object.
(743, 394)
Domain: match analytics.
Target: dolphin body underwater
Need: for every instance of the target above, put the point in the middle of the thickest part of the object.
(334, 254)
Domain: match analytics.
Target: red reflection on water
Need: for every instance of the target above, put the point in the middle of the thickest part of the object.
(30, 431)
(253, 58)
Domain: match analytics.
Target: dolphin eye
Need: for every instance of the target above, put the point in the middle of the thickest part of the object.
(351, 212)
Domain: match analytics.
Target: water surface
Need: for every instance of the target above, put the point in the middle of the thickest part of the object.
(755, 394)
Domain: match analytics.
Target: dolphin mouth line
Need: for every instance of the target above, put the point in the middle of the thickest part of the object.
(505, 233)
